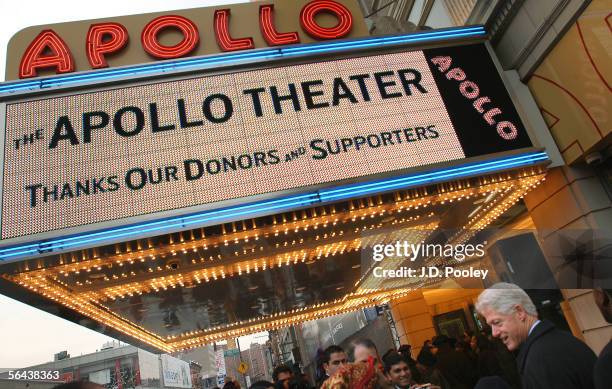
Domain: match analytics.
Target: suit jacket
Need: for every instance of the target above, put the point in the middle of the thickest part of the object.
(603, 368)
(492, 382)
(457, 369)
(551, 358)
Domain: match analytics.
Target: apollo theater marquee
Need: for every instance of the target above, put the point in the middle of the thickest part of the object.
(134, 146)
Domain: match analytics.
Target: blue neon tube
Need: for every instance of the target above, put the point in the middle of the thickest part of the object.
(288, 202)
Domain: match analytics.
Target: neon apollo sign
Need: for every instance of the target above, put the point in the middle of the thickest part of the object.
(49, 51)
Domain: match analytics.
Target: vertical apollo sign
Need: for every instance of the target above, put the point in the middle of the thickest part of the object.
(123, 152)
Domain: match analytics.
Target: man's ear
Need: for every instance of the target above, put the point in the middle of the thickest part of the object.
(520, 312)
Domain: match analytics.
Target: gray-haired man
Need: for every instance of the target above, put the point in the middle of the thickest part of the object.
(547, 358)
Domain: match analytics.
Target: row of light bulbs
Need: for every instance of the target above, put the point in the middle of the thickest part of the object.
(232, 269)
(413, 234)
(509, 195)
(402, 208)
(349, 303)
(86, 305)
(361, 208)
(88, 309)
(208, 274)
(239, 268)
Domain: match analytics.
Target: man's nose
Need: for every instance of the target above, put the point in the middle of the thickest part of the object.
(495, 332)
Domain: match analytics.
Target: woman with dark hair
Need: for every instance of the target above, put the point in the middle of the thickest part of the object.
(493, 382)
(426, 362)
(405, 351)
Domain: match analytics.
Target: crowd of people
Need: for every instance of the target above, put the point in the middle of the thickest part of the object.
(519, 351)
(442, 363)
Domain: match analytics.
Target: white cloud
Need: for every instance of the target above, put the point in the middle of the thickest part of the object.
(31, 336)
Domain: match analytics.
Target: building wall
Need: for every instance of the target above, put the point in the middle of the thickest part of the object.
(413, 320)
(205, 356)
(586, 215)
(524, 31)
(459, 10)
(572, 84)
(23, 384)
(414, 314)
(568, 68)
(449, 300)
(403, 16)
(594, 330)
(125, 358)
(139, 368)
(258, 362)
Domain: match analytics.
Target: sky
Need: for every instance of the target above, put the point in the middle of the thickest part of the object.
(30, 336)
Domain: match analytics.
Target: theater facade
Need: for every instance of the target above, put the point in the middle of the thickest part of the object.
(173, 190)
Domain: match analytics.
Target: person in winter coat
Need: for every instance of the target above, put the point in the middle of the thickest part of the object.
(547, 357)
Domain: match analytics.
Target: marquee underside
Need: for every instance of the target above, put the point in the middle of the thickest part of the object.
(179, 291)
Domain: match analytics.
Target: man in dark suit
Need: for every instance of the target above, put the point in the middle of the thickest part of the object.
(547, 357)
(603, 367)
